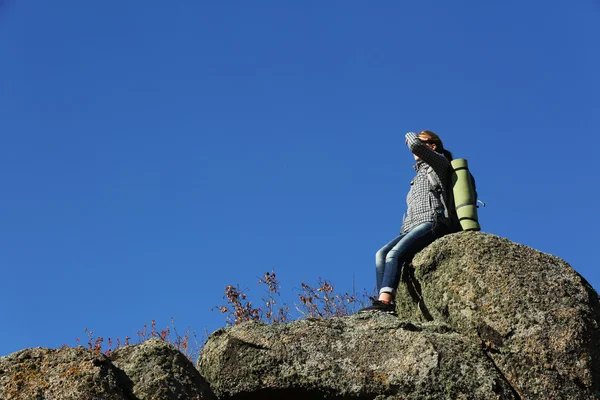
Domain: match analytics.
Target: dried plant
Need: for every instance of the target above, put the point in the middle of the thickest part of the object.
(187, 343)
(239, 309)
(272, 314)
(323, 302)
(319, 301)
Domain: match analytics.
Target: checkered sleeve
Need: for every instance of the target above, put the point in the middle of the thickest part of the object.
(423, 205)
(434, 159)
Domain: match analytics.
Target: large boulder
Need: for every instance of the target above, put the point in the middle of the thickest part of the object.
(535, 317)
(158, 371)
(60, 374)
(358, 357)
(153, 370)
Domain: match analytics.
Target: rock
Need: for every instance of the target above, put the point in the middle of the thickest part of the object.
(535, 317)
(60, 374)
(159, 371)
(153, 370)
(479, 317)
(359, 357)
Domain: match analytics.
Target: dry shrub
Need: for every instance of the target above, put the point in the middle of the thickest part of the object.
(320, 301)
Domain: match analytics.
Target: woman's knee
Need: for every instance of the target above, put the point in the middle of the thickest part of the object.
(380, 257)
(391, 258)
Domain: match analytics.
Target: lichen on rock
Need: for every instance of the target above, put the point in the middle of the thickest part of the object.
(535, 316)
(60, 374)
(158, 371)
(362, 356)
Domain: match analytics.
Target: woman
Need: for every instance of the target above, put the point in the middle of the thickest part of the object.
(424, 221)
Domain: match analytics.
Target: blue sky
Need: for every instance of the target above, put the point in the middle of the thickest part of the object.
(152, 153)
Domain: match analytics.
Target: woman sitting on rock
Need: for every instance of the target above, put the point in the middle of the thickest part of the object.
(426, 218)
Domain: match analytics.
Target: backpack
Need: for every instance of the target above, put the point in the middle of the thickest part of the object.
(460, 203)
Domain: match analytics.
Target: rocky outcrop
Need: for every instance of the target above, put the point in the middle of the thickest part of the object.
(158, 371)
(153, 370)
(60, 374)
(479, 317)
(358, 357)
(535, 317)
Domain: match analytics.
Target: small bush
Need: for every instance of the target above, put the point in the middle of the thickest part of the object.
(320, 301)
(187, 343)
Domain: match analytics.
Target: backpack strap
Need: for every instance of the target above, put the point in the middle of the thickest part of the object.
(436, 186)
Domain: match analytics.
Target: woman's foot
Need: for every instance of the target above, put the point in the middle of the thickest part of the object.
(386, 307)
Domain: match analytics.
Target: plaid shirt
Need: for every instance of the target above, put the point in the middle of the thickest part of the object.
(424, 204)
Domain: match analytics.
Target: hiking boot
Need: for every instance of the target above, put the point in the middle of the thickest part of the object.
(380, 306)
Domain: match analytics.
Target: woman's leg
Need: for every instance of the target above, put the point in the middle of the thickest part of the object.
(380, 260)
(409, 244)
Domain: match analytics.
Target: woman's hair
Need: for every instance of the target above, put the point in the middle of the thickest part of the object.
(433, 138)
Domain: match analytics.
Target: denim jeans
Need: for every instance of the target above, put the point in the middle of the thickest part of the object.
(390, 258)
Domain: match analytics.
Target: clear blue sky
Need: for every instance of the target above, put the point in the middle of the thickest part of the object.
(154, 152)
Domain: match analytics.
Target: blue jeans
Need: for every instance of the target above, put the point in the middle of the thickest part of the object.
(390, 258)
